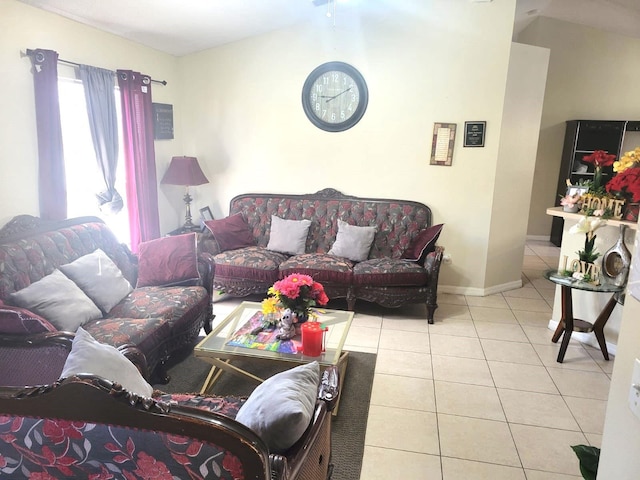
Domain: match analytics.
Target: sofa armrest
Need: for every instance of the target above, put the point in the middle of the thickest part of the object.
(33, 359)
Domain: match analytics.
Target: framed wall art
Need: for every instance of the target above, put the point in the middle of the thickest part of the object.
(444, 138)
(474, 133)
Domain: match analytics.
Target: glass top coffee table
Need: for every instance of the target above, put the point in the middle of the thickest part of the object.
(217, 350)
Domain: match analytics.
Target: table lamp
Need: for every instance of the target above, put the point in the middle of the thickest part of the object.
(185, 171)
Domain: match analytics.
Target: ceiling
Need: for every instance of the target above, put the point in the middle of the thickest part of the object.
(168, 26)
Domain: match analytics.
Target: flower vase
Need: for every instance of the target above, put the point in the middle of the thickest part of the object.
(570, 208)
(631, 212)
(617, 260)
(302, 315)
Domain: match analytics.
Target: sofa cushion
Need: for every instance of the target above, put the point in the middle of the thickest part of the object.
(253, 264)
(279, 410)
(288, 236)
(353, 242)
(16, 320)
(231, 233)
(148, 334)
(59, 300)
(99, 278)
(389, 272)
(422, 244)
(90, 356)
(322, 267)
(168, 261)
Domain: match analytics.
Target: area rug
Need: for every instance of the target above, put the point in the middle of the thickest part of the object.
(348, 427)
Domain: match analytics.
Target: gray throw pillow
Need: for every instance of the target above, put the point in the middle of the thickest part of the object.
(280, 409)
(90, 356)
(288, 236)
(353, 242)
(99, 278)
(59, 300)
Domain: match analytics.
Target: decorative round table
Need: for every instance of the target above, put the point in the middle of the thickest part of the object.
(568, 324)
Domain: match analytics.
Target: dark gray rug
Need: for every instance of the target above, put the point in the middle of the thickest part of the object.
(348, 427)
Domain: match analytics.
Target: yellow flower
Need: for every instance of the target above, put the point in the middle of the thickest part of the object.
(269, 305)
(627, 160)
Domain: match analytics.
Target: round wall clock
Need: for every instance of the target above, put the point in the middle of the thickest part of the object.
(335, 96)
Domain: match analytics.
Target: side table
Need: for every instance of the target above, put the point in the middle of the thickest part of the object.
(569, 324)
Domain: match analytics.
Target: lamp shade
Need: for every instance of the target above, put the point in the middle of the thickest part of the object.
(184, 171)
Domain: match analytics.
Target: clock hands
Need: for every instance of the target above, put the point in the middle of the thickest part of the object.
(329, 98)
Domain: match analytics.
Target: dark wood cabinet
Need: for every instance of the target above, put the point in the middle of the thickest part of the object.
(583, 137)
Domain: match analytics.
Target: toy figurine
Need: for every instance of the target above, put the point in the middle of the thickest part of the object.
(287, 325)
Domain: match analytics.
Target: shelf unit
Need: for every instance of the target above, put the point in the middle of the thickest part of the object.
(582, 138)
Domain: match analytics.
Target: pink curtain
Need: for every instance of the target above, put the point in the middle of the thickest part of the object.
(139, 155)
(52, 186)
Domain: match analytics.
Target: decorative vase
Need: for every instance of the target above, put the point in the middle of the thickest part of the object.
(570, 208)
(631, 212)
(616, 260)
(302, 315)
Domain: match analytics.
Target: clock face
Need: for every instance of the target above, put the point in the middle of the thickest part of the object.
(335, 96)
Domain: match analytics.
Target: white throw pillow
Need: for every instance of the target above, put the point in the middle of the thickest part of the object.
(280, 409)
(99, 278)
(90, 356)
(288, 236)
(59, 300)
(353, 242)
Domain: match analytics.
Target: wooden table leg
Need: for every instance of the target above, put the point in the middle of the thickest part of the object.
(601, 321)
(567, 320)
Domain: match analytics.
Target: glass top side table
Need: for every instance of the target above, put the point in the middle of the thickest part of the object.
(569, 324)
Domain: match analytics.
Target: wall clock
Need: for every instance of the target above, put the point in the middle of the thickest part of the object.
(335, 96)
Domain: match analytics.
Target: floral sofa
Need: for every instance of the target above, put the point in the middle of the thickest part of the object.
(150, 323)
(395, 261)
(85, 426)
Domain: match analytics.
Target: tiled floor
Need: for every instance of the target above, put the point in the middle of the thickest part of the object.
(478, 394)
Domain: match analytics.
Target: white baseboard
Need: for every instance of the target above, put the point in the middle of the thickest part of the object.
(588, 338)
(479, 292)
(539, 238)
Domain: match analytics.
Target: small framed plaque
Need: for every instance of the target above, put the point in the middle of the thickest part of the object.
(474, 134)
(444, 138)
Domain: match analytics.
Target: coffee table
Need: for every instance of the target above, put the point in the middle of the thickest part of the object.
(214, 348)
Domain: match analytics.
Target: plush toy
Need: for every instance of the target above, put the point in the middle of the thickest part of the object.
(287, 325)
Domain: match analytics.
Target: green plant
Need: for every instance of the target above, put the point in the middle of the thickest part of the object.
(589, 457)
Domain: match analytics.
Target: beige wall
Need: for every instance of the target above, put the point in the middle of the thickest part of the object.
(445, 62)
(516, 160)
(593, 75)
(23, 27)
(238, 109)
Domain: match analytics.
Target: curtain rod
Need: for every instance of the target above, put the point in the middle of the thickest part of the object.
(31, 52)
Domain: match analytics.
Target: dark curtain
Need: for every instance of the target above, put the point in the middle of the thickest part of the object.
(139, 153)
(51, 175)
(98, 86)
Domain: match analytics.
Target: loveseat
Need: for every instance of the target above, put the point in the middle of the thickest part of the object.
(149, 320)
(395, 262)
(85, 426)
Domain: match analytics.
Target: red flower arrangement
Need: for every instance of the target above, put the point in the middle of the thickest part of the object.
(626, 183)
(599, 158)
(296, 292)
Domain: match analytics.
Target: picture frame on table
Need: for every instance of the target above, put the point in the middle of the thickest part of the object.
(205, 215)
(577, 189)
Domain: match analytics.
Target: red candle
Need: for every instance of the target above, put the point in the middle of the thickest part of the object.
(312, 339)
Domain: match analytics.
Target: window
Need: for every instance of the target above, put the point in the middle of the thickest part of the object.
(83, 176)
